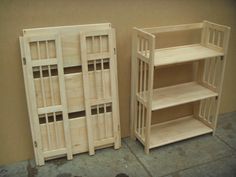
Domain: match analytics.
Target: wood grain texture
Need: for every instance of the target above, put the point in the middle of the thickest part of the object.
(176, 130)
(203, 92)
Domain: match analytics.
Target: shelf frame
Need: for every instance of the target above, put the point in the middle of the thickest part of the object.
(209, 67)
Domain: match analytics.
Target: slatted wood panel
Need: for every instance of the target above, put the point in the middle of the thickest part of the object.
(205, 91)
(100, 86)
(51, 60)
(211, 73)
(143, 75)
(44, 68)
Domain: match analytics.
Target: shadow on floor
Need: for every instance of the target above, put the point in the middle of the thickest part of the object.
(203, 156)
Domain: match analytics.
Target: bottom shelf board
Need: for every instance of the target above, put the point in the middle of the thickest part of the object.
(176, 130)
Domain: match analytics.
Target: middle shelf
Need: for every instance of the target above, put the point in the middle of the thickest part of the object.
(178, 94)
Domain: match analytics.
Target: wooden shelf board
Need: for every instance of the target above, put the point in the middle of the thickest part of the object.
(179, 94)
(176, 130)
(186, 53)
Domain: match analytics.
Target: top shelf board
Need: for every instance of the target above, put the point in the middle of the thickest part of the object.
(180, 54)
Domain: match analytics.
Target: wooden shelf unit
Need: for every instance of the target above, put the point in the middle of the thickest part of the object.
(209, 57)
(70, 75)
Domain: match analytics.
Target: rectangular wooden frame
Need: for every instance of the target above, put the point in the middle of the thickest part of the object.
(62, 106)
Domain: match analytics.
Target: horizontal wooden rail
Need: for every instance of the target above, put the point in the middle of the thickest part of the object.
(173, 28)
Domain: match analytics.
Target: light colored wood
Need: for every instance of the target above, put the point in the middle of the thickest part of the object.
(55, 70)
(86, 93)
(174, 55)
(27, 92)
(204, 91)
(63, 98)
(102, 84)
(74, 89)
(179, 94)
(61, 29)
(32, 103)
(176, 130)
(225, 47)
(70, 39)
(133, 101)
(174, 28)
(115, 94)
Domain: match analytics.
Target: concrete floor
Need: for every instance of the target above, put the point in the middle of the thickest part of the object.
(204, 156)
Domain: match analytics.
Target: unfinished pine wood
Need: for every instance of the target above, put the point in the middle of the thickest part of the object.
(176, 130)
(204, 91)
(179, 94)
(68, 71)
(70, 39)
(180, 54)
(100, 86)
(42, 111)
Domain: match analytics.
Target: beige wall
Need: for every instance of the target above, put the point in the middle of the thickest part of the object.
(15, 138)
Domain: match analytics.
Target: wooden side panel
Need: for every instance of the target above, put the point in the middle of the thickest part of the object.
(142, 73)
(211, 71)
(100, 80)
(47, 95)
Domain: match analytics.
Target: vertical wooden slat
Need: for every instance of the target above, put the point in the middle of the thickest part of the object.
(95, 80)
(134, 83)
(103, 80)
(99, 123)
(48, 133)
(205, 109)
(209, 110)
(86, 92)
(34, 124)
(42, 86)
(139, 116)
(146, 48)
(63, 98)
(145, 79)
(219, 38)
(210, 68)
(33, 105)
(47, 52)
(141, 77)
(143, 118)
(114, 88)
(92, 44)
(39, 52)
(105, 120)
(144, 93)
(149, 92)
(215, 72)
(56, 130)
(213, 35)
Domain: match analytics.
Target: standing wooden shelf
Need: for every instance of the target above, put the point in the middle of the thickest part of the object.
(204, 91)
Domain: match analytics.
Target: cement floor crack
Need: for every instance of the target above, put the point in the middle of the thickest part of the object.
(139, 161)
